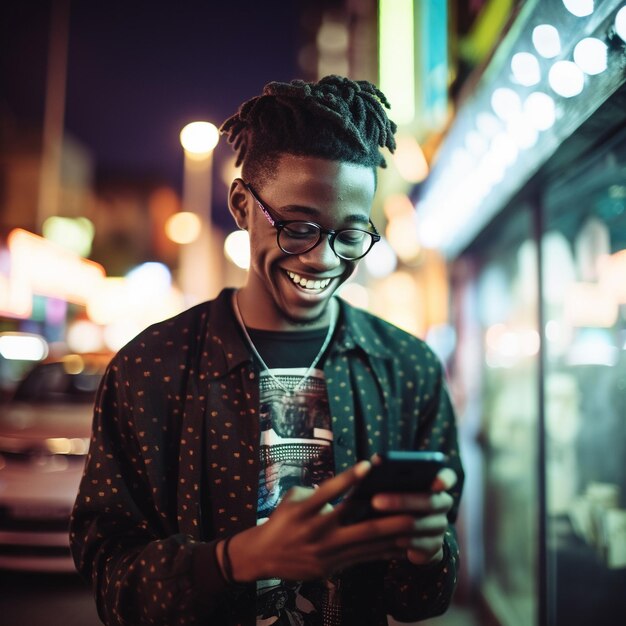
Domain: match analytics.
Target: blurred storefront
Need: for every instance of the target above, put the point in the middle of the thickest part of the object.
(527, 200)
(53, 301)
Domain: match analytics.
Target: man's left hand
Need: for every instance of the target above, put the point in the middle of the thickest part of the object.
(429, 511)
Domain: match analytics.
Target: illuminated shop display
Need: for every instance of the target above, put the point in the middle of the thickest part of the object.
(554, 67)
(585, 370)
(540, 370)
(39, 266)
(41, 274)
(527, 200)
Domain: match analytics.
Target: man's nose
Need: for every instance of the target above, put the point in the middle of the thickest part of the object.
(322, 255)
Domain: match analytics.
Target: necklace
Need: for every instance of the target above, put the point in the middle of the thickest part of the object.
(329, 335)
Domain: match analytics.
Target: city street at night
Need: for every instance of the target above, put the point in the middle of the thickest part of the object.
(313, 313)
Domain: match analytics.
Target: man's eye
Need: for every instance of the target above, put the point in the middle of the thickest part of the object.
(351, 237)
(300, 230)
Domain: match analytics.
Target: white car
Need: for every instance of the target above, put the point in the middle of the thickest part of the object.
(44, 438)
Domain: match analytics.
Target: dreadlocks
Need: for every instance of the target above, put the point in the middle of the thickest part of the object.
(335, 118)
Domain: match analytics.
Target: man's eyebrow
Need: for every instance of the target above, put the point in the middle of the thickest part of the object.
(314, 213)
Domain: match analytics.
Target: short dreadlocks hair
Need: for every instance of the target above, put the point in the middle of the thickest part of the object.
(336, 118)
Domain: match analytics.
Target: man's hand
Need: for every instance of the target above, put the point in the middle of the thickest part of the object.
(429, 512)
(304, 539)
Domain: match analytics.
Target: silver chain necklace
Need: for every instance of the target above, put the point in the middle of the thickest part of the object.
(329, 335)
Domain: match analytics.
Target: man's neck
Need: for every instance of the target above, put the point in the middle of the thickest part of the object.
(260, 318)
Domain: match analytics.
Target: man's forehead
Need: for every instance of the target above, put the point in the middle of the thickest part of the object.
(323, 177)
(314, 214)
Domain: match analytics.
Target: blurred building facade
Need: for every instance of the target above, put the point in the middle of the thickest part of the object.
(526, 201)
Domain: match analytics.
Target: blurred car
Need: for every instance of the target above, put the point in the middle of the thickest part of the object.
(44, 438)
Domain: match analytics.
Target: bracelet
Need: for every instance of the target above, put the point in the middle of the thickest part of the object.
(227, 565)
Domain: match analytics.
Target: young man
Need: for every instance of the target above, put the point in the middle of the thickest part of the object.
(225, 438)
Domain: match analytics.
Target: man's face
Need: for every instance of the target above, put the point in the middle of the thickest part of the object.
(333, 194)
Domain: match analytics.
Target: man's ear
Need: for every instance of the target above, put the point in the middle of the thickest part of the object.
(238, 203)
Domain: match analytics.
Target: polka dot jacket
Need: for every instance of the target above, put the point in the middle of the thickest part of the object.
(173, 467)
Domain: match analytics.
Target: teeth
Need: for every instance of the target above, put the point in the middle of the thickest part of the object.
(308, 284)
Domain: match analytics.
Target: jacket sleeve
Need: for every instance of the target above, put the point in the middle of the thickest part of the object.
(415, 592)
(142, 570)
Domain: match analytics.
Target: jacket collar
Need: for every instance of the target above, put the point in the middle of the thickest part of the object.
(225, 348)
(358, 329)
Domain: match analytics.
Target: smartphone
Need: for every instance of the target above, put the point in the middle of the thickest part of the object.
(397, 472)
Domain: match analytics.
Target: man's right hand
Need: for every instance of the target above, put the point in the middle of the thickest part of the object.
(304, 539)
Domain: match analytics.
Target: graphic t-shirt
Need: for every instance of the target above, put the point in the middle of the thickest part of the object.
(296, 450)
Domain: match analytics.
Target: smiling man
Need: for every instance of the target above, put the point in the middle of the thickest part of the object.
(225, 438)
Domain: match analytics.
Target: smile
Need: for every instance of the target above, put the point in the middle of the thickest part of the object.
(308, 283)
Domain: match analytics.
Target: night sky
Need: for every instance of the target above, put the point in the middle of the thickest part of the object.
(138, 71)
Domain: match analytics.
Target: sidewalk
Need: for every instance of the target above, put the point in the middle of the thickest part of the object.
(455, 616)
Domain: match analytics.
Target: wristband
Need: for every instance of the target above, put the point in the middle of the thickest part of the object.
(227, 566)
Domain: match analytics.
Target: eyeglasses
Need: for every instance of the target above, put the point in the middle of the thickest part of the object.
(298, 237)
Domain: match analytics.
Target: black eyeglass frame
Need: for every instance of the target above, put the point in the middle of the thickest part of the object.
(279, 225)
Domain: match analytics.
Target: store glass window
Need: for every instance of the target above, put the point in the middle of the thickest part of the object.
(497, 302)
(584, 300)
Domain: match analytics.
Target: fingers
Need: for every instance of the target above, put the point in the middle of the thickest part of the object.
(413, 502)
(421, 549)
(334, 487)
(422, 557)
(386, 529)
(400, 537)
(445, 480)
(425, 529)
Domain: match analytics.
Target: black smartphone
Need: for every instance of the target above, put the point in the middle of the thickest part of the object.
(397, 472)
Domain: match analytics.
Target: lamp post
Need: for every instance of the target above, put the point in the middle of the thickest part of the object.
(200, 260)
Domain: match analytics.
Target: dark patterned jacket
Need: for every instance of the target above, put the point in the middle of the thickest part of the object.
(174, 462)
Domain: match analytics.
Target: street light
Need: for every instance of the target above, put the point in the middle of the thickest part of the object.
(200, 259)
(199, 139)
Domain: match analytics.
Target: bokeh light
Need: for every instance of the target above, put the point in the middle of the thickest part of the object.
(566, 78)
(506, 103)
(183, 227)
(23, 346)
(579, 8)
(356, 294)
(381, 259)
(199, 138)
(540, 110)
(84, 336)
(546, 40)
(409, 159)
(525, 68)
(237, 248)
(590, 54)
(73, 233)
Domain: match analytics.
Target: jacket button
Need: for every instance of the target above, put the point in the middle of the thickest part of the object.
(341, 441)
